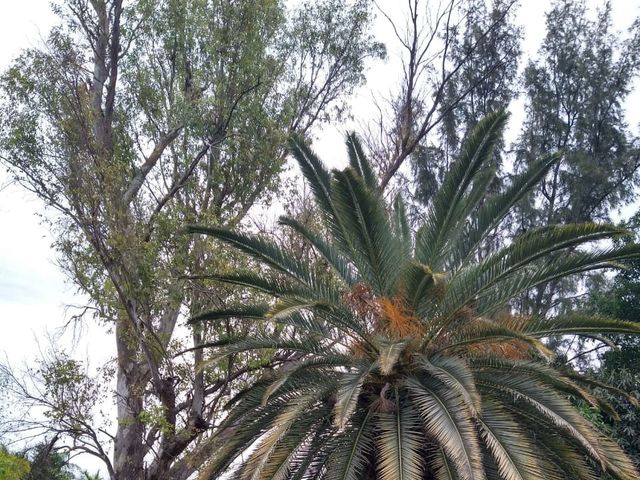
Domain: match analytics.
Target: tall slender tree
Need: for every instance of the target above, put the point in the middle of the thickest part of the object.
(575, 96)
(137, 117)
(487, 45)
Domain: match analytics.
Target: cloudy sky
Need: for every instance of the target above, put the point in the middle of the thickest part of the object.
(32, 290)
(33, 293)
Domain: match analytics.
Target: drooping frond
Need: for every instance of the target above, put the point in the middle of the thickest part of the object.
(442, 467)
(399, 442)
(457, 376)
(258, 464)
(548, 403)
(512, 449)
(350, 456)
(448, 420)
(349, 392)
(481, 332)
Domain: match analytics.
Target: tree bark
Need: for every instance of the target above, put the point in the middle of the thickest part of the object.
(128, 456)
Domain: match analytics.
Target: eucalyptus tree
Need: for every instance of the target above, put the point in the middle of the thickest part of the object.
(136, 117)
(404, 359)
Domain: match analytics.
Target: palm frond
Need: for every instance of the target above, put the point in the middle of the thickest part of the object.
(547, 402)
(238, 311)
(328, 252)
(476, 151)
(360, 163)
(442, 467)
(389, 352)
(374, 248)
(399, 442)
(493, 212)
(515, 454)
(456, 375)
(540, 372)
(272, 286)
(255, 466)
(350, 455)
(349, 392)
(579, 324)
(401, 227)
(447, 419)
(320, 181)
(283, 375)
(260, 249)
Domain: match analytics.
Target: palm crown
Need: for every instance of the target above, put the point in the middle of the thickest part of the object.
(405, 362)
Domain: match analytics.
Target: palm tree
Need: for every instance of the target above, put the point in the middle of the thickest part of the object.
(405, 362)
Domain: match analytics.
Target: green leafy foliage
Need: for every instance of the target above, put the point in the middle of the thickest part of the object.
(13, 467)
(133, 119)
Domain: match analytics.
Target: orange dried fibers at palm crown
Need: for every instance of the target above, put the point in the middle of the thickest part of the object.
(399, 321)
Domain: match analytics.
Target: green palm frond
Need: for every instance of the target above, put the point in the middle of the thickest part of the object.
(349, 458)
(260, 249)
(457, 376)
(302, 368)
(238, 311)
(487, 331)
(360, 163)
(314, 172)
(548, 403)
(330, 254)
(276, 287)
(493, 212)
(231, 345)
(537, 370)
(579, 323)
(374, 248)
(401, 227)
(475, 153)
(320, 181)
(258, 465)
(514, 452)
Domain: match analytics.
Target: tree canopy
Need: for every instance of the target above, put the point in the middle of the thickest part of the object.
(404, 361)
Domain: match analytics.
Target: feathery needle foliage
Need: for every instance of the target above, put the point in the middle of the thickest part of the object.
(406, 363)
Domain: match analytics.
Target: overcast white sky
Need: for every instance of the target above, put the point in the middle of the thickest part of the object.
(32, 290)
